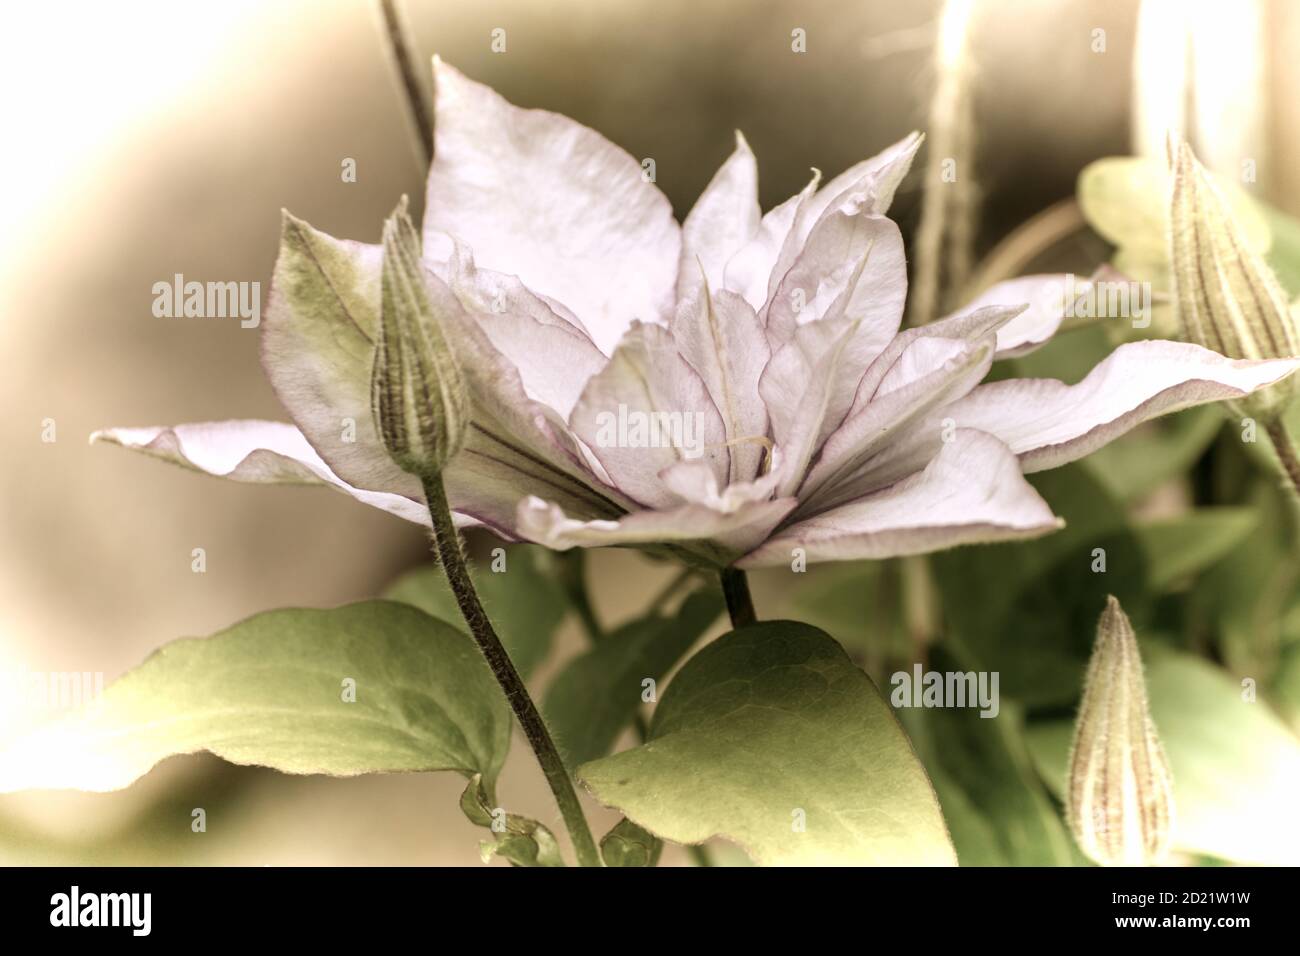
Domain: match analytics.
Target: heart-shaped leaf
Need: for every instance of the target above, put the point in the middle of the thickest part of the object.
(772, 738)
(367, 688)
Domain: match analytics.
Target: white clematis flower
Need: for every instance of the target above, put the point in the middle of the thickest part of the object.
(729, 390)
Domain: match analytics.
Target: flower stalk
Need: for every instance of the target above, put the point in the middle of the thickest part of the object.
(452, 558)
(421, 410)
(740, 604)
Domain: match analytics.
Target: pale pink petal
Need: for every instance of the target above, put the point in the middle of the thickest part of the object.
(808, 388)
(647, 410)
(876, 179)
(318, 348)
(1045, 297)
(1048, 423)
(252, 451)
(721, 338)
(931, 373)
(971, 492)
(707, 534)
(724, 219)
(694, 482)
(552, 352)
(536, 195)
(753, 272)
(852, 266)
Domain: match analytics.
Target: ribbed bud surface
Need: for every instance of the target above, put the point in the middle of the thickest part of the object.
(418, 396)
(1120, 801)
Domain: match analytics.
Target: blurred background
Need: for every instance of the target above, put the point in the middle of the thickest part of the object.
(145, 139)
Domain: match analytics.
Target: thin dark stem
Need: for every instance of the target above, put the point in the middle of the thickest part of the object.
(735, 588)
(452, 557)
(417, 100)
(1286, 451)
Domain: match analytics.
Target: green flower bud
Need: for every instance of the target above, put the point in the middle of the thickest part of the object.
(1120, 801)
(1227, 298)
(417, 393)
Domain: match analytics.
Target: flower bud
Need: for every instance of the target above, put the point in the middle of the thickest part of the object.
(417, 394)
(1227, 298)
(1120, 802)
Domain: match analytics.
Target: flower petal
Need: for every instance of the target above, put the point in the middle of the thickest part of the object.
(876, 179)
(1045, 296)
(1048, 423)
(318, 347)
(542, 197)
(753, 271)
(852, 266)
(971, 492)
(946, 370)
(710, 535)
(723, 220)
(252, 451)
(646, 411)
(721, 338)
(551, 350)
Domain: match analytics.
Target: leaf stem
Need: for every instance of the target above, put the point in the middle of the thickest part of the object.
(1286, 451)
(452, 557)
(740, 605)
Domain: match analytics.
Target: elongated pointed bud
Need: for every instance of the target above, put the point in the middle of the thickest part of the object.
(1227, 297)
(417, 393)
(1120, 801)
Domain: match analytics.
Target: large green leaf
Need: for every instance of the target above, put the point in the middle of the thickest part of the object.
(772, 738)
(1029, 609)
(524, 600)
(273, 691)
(599, 692)
(1179, 548)
(1236, 766)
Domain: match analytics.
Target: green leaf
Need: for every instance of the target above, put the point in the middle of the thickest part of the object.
(1126, 200)
(1180, 548)
(1236, 766)
(1153, 453)
(1029, 610)
(996, 807)
(522, 841)
(630, 845)
(1248, 593)
(771, 738)
(273, 691)
(599, 692)
(524, 600)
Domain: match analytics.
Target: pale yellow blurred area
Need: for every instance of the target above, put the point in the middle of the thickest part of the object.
(145, 139)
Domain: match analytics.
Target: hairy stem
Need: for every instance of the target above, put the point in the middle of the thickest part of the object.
(1286, 451)
(452, 557)
(735, 588)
